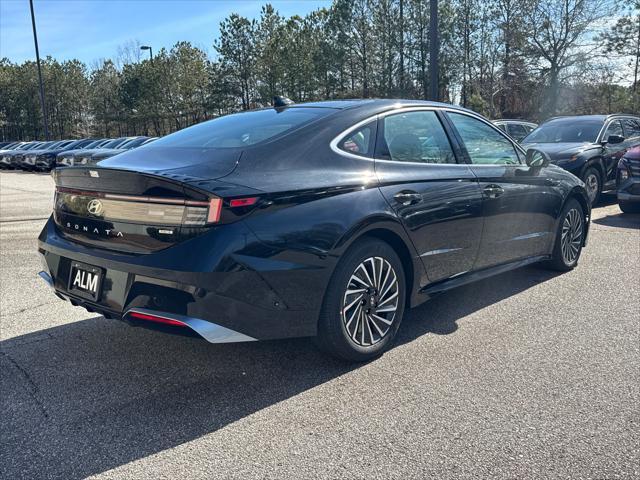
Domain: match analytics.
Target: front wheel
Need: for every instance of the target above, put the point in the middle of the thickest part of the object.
(593, 184)
(364, 302)
(569, 237)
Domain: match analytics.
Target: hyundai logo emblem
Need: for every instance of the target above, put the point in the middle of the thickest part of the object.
(94, 207)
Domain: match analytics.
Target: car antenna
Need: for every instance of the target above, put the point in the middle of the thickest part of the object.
(281, 102)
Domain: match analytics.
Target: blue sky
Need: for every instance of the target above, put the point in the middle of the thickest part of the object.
(93, 29)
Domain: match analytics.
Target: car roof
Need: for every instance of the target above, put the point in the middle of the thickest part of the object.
(371, 106)
(513, 120)
(374, 104)
(601, 118)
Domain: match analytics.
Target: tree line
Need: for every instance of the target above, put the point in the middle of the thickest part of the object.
(503, 58)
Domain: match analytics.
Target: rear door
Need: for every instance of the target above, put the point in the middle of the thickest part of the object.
(437, 199)
(519, 203)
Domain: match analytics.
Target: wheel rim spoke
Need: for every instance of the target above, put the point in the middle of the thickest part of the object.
(371, 301)
(388, 299)
(364, 269)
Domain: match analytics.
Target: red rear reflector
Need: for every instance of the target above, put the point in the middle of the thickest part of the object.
(243, 202)
(215, 207)
(155, 318)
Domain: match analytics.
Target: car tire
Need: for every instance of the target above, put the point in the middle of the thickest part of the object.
(593, 183)
(569, 238)
(629, 207)
(364, 302)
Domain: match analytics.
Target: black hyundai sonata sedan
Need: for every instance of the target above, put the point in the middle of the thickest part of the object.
(322, 219)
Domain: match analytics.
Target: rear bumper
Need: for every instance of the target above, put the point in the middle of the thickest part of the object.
(224, 289)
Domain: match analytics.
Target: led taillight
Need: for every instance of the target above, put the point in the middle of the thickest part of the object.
(156, 319)
(138, 209)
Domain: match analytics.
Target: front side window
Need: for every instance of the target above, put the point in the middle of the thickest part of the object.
(416, 137)
(360, 141)
(484, 144)
(614, 128)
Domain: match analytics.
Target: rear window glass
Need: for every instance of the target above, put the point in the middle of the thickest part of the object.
(242, 129)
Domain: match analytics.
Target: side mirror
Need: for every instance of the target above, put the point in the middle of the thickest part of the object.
(613, 139)
(537, 158)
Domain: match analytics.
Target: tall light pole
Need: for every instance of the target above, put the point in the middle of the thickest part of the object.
(44, 105)
(147, 47)
(434, 47)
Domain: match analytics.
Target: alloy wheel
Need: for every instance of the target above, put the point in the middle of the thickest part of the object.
(571, 239)
(592, 186)
(370, 302)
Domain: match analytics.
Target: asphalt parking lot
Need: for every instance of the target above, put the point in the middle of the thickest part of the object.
(528, 374)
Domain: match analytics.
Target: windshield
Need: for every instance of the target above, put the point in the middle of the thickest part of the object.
(566, 130)
(51, 145)
(93, 144)
(242, 129)
(31, 146)
(134, 142)
(115, 143)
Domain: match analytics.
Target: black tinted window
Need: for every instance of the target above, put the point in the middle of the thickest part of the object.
(416, 137)
(242, 129)
(570, 130)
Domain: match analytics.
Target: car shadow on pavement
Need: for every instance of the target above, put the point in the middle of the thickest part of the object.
(620, 220)
(88, 396)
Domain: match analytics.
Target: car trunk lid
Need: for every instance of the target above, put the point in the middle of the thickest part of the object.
(136, 212)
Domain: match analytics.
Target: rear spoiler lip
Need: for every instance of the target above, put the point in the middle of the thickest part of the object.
(202, 186)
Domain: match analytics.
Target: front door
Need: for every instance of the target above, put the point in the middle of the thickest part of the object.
(437, 199)
(520, 203)
(613, 152)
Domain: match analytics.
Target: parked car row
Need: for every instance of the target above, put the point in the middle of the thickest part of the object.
(45, 156)
(601, 150)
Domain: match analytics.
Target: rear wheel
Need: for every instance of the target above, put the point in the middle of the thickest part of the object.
(593, 184)
(364, 303)
(629, 207)
(569, 237)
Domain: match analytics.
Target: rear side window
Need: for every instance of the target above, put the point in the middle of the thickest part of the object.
(243, 129)
(415, 137)
(484, 144)
(360, 141)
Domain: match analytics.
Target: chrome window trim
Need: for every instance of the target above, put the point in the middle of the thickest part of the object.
(334, 143)
(608, 122)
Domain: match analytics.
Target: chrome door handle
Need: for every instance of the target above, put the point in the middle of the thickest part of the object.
(407, 197)
(493, 191)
